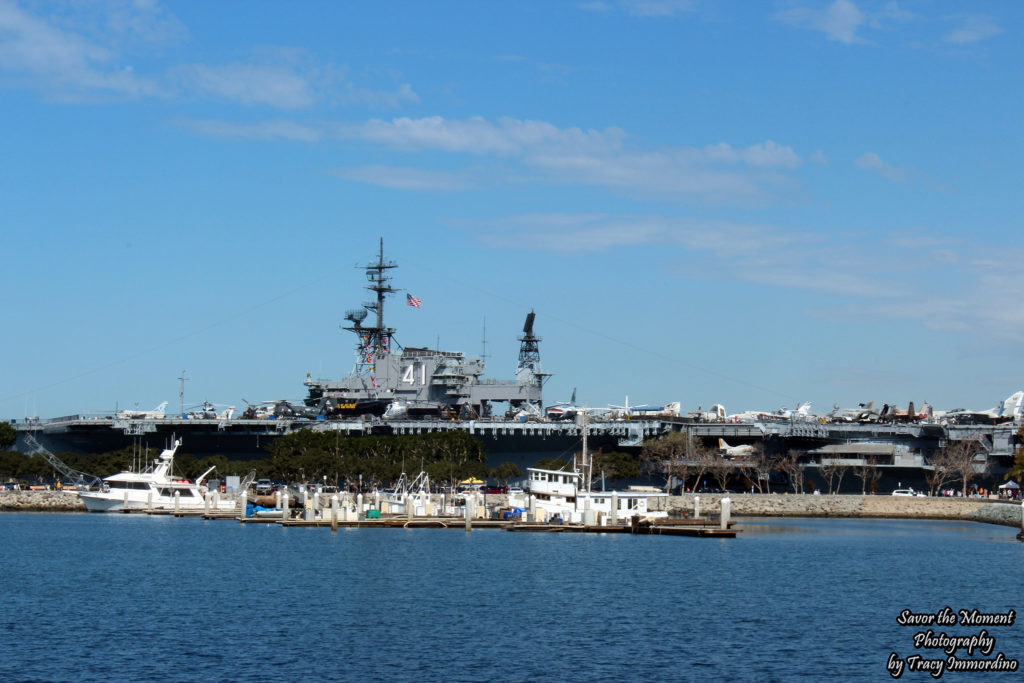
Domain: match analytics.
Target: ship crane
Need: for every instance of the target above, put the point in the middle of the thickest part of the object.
(81, 479)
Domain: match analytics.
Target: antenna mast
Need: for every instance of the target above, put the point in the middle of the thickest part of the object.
(375, 340)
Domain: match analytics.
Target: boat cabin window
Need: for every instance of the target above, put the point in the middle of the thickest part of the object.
(133, 485)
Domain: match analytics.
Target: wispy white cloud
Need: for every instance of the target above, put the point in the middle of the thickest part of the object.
(563, 232)
(971, 29)
(871, 161)
(477, 135)
(390, 99)
(83, 53)
(137, 22)
(893, 10)
(642, 8)
(840, 21)
(768, 154)
(560, 156)
(264, 130)
(943, 282)
(61, 63)
(404, 178)
(277, 86)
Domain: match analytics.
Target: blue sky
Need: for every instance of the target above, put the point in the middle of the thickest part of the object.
(747, 203)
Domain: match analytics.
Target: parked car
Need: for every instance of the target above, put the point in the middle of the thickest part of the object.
(908, 493)
(264, 487)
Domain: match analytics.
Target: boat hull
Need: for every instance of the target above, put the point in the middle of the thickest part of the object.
(113, 501)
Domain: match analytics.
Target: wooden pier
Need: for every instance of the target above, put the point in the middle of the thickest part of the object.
(694, 529)
(681, 527)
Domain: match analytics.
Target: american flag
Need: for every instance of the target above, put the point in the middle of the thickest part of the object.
(412, 301)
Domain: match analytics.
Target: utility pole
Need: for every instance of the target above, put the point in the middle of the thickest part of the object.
(181, 394)
(586, 455)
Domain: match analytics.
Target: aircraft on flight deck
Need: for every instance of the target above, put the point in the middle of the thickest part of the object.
(624, 412)
(864, 412)
(1006, 411)
(157, 413)
(802, 411)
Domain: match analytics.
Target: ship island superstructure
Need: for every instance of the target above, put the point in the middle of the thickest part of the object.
(395, 382)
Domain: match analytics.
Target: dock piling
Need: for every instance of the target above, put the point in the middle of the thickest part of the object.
(726, 509)
(696, 507)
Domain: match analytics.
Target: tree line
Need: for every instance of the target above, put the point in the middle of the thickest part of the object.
(302, 456)
(688, 459)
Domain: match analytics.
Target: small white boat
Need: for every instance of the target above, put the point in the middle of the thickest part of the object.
(155, 488)
(416, 491)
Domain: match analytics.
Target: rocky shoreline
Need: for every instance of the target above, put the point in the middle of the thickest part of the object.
(40, 501)
(743, 505)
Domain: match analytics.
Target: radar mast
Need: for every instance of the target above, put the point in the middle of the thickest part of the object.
(375, 340)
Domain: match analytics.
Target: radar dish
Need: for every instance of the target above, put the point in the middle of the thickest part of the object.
(356, 315)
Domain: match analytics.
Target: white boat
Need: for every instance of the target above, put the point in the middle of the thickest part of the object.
(154, 488)
(560, 494)
(565, 495)
(404, 491)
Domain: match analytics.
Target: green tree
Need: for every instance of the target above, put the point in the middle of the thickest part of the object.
(7, 436)
(553, 464)
(617, 465)
(506, 471)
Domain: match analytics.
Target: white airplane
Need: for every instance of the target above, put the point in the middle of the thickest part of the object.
(563, 410)
(624, 412)
(155, 414)
(716, 414)
(1007, 411)
(730, 451)
(802, 411)
(668, 410)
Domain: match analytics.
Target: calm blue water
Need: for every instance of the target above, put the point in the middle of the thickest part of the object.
(117, 597)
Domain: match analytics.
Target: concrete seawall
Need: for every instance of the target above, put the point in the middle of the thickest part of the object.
(894, 507)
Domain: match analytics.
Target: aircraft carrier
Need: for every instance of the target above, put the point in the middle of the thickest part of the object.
(391, 390)
(394, 390)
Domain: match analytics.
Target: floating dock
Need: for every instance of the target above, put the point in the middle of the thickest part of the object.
(693, 528)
